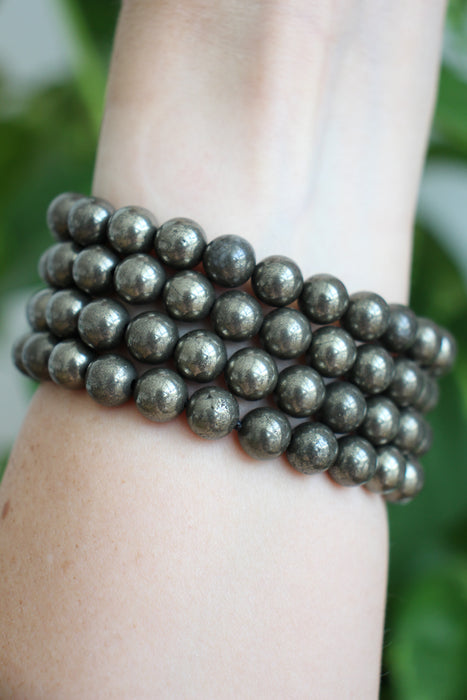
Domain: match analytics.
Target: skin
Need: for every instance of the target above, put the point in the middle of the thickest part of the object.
(137, 560)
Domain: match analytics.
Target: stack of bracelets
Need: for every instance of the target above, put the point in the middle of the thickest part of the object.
(360, 372)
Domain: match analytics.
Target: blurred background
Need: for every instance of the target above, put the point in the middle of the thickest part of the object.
(52, 81)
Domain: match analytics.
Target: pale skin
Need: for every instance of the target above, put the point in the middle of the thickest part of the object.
(139, 561)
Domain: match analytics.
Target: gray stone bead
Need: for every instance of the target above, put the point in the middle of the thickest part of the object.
(264, 433)
(200, 356)
(324, 299)
(251, 373)
(332, 351)
(373, 369)
(160, 395)
(229, 261)
(412, 482)
(102, 323)
(42, 269)
(93, 269)
(277, 280)
(313, 448)
(60, 259)
(402, 328)
(57, 214)
(139, 279)
(151, 337)
(411, 432)
(110, 380)
(188, 296)
(180, 243)
(390, 468)
(131, 230)
(212, 412)
(344, 407)
(35, 355)
(236, 315)
(17, 352)
(35, 309)
(87, 220)
(407, 382)
(446, 356)
(63, 310)
(355, 463)
(299, 391)
(285, 333)
(428, 397)
(381, 421)
(68, 363)
(367, 316)
(427, 342)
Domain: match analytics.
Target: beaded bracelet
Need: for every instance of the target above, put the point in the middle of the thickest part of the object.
(362, 378)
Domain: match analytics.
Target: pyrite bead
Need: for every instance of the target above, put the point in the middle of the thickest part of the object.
(344, 407)
(35, 355)
(277, 280)
(324, 299)
(57, 214)
(212, 412)
(428, 397)
(390, 467)
(427, 342)
(139, 279)
(411, 432)
(236, 315)
(332, 351)
(312, 448)
(200, 356)
(180, 243)
(402, 328)
(412, 482)
(446, 356)
(160, 395)
(427, 440)
(251, 373)
(68, 363)
(264, 433)
(381, 421)
(188, 296)
(17, 352)
(367, 316)
(93, 269)
(355, 463)
(151, 337)
(102, 323)
(229, 260)
(285, 333)
(373, 369)
(131, 230)
(42, 267)
(60, 259)
(110, 380)
(63, 310)
(87, 220)
(407, 382)
(35, 309)
(299, 391)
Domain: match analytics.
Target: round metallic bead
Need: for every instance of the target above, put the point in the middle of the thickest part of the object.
(229, 260)
(93, 269)
(139, 279)
(285, 333)
(131, 230)
(390, 467)
(277, 280)
(324, 299)
(35, 355)
(180, 243)
(57, 214)
(402, 328)
(427, 440)
(200, 356)
(102, 323)
(446, 356)
(42, 267)
(427, 343)
(251, 373)
(35, 309)
(160, 395)
(299, 391)
(373, 369)
(110, 380)
(412, 482)
(60, 259)
(367, 317)
(411, 432)
(407, 382)
(87, 220)
(188, 296)
(264, 433)
(236, 315)
(355, 463)
(332, 351)
(381, 421)
(63, 310)
(428, 397)
(151, 337)
(68, 363)
(344, 407)
(212, 412)
(313, 448)
(17, 352)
